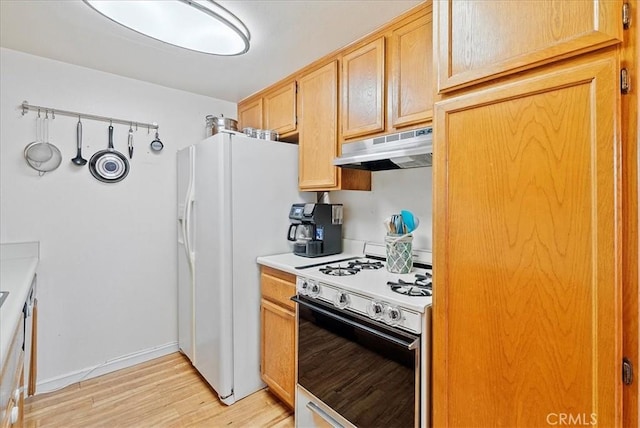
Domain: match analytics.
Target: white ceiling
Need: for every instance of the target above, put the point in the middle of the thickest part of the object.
(285, 36)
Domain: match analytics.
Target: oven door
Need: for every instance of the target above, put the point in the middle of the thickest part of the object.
(365, 371)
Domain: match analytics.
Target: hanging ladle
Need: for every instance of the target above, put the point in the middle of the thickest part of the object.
(79, 160)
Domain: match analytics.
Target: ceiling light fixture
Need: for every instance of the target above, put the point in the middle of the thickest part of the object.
(197, 25)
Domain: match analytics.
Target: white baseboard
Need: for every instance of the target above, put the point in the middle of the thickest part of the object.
(59, 382)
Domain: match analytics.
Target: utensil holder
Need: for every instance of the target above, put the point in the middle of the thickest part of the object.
(399, 253)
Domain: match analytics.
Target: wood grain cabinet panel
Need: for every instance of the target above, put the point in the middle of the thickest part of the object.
(481, 40)
(318, 131)
(411, 72)
(363, 83)
(280, 109)
(278, 329)
(278, 351)
(527, 238)
(318, 109)
(250, 114)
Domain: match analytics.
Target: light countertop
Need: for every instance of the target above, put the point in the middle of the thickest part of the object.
(289, 262)
(18, 264)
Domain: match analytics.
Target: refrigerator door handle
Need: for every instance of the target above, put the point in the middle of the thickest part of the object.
(188, 209)
(188, 241)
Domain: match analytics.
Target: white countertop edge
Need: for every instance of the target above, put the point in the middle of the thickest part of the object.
(289, 262)
(19, 250)
(16, 275)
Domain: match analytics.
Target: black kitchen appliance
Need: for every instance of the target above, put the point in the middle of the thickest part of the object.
(316, 229)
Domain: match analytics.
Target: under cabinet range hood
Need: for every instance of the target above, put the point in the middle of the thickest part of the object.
(409, 149)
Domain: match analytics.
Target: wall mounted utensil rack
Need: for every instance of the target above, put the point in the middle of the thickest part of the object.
(26, 107)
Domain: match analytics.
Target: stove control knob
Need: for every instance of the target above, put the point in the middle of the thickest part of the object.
(375, 309)
(392, 315)
(341, 300)
(313, 289)
(303, 286)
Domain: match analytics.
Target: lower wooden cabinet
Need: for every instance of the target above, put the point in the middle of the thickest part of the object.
(278, 329)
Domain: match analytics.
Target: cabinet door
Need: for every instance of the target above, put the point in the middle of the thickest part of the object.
(527, 322)
(411, 76)
(280, 109)
(278, 350)
(363, 90)
(318, 109)
(481, 40)
(250, 114)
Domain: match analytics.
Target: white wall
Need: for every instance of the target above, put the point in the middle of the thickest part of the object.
(391, 191)
(107, 276)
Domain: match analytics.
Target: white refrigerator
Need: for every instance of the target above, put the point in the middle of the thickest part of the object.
(234, 196)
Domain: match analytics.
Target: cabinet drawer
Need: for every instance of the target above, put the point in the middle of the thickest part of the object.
(278, 287)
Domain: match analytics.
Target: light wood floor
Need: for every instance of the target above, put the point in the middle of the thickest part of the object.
(165, 392)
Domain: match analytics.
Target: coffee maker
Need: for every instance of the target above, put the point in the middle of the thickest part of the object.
(316, 229)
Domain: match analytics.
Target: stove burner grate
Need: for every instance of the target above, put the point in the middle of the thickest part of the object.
(423, 280)
(366, 264)
(419, 288)
(339, 270)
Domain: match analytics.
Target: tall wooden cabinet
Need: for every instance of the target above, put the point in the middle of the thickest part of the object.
(529, 202)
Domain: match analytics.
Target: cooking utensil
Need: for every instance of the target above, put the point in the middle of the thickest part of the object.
(399, 225)
(40, 154)
(268, 134)
(387, 224)
(79, 160)
(219, 123)
(130, 142)
(409, 220)
(156, 145)
(109, 166)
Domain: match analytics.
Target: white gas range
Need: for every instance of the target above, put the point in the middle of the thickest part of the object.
(363, 341)
(363, 285)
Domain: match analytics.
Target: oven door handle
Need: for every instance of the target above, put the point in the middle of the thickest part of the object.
(410, 345)
(322, 414)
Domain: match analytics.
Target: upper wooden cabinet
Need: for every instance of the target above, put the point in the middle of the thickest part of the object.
(318, 110)
(363, 83)
(387, 83)
(279, 109)
(275, 110)
(473, 46)
(411, 72)
(250, 114)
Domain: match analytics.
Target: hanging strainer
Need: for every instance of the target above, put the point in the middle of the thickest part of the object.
(40, 154)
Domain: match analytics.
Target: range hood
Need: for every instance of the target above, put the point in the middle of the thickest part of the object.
(410, 149)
